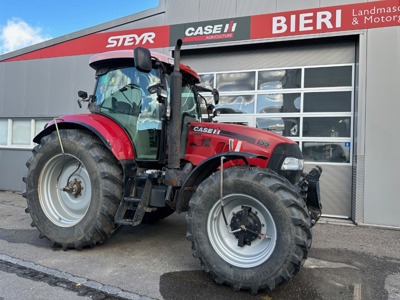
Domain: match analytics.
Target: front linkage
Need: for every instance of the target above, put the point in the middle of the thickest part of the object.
(308, 187)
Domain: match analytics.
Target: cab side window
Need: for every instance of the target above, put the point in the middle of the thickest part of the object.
(189, 103)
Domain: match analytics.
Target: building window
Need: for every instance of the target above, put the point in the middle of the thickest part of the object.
(284, 126)
(39, 125)
(312, 105)
(328, 77)
(3, 132)
(236, 104)
(326, 127)
(326, 152)
(19, 133)
(278, 103)
(233, 82)
(279, 79)
(327, 102)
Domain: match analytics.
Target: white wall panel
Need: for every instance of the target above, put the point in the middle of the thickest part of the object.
(339, 2)
(2, 75)
(382, 142)
(287, 5)
(182, 11)
(254, 7)
(221, 9)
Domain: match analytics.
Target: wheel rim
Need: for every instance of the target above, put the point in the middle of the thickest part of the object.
(225, 243)
(64, 208)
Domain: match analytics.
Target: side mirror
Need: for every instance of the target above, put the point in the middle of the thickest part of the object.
(162, 94)
(215, 93)
(82, 94)
(142, 57)
(210, 107)
(83, 97)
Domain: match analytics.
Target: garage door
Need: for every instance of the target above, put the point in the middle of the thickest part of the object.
(303, 90)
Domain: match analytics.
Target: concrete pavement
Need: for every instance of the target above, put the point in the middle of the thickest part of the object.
(155, 262)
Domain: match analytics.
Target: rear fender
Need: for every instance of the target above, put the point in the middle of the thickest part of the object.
(202, 171)
(112, 135)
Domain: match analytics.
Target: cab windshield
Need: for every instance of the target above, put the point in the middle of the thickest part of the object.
(125, 90)
(122, 94)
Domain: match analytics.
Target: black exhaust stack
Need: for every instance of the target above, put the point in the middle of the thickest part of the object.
(173, 176)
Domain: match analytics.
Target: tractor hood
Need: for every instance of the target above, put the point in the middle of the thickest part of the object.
(207, 139)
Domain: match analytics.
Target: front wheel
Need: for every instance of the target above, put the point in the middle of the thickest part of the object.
(258, 237)
(73, 192)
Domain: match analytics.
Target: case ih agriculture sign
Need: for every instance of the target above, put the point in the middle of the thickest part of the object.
(233, 29)
(291, 23)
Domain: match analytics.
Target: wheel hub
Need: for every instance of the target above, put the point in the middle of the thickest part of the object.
(74, 188)
(246, 226)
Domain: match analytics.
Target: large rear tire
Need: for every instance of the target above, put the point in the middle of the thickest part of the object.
(73, 196)
(274, 244)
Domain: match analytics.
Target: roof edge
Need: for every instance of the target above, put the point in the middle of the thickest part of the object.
(87, 31)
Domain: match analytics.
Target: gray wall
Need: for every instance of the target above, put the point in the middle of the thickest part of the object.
(13, 169)
(45, 87)
(187, 11)
(382, 141)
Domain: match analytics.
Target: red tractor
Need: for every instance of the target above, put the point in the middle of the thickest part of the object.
(143, 152)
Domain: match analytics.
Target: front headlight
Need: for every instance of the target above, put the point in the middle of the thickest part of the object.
(292, 164)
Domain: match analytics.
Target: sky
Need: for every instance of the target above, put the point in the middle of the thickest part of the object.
(27, 22)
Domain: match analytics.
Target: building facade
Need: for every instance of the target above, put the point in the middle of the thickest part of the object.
(323, 74)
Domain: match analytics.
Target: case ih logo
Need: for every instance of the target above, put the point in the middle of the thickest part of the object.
(210, 32)
(206, 130)
(131, 40)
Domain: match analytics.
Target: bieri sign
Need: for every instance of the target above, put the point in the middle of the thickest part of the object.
(327, 19)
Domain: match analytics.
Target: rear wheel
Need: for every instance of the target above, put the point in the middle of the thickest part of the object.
(73, 195)
(259, 238)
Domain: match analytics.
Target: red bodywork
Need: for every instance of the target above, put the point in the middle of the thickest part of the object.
(204, 139)
(109, 131)
(208, 139)
(100, 58)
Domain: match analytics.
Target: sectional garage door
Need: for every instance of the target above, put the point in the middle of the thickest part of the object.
(300, 89)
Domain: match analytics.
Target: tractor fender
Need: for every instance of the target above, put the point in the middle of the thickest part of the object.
(202, 171)
(112, 135)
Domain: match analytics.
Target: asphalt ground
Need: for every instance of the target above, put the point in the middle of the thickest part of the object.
(155, 262)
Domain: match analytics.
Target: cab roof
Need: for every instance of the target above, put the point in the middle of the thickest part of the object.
(99, 59)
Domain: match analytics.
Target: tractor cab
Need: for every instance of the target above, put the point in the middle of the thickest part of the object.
(139, 100)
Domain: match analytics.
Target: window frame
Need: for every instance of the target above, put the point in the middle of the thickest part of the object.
(251, 117)
(33, 133)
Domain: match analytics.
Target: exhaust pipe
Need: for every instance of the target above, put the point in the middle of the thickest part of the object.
(173, 176)
(174, 138)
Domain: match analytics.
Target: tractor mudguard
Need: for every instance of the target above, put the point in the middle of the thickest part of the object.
(113, 136)
(202, 171)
